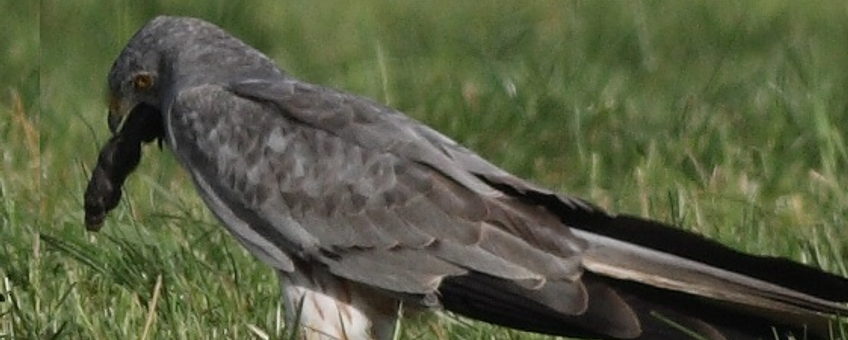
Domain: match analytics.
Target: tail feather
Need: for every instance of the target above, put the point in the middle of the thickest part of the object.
(631, 262)
(665, 314)
(648, 280)
(580, 215)
(663, 238)
(618, 309)
(636, 291)
(797, 299)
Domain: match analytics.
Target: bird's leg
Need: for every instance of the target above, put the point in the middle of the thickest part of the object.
(329, 308)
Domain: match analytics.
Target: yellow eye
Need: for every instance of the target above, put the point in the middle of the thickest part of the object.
(143, 81)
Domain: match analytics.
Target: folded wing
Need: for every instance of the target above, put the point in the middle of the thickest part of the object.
(299, 170)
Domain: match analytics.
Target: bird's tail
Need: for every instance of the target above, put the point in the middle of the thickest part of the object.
(651, 281)
(677, 278)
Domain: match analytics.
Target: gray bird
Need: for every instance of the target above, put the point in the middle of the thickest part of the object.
(364, 211)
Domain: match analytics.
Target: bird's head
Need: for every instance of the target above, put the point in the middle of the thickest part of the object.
(128, 92)
(135, 77)
(173, 53)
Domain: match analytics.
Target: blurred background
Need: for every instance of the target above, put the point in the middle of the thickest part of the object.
(724, 118)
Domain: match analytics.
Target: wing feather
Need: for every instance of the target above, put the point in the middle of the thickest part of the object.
(390, 269)
(367, 192)
(294, 169)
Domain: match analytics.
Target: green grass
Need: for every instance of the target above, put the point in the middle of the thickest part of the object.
(728, 119)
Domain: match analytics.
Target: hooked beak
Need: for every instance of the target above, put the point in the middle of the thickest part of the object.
(118, 110)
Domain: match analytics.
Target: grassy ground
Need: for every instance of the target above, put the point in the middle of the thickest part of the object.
(728, 119)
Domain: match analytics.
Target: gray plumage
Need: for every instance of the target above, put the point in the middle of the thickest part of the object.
(305, 175)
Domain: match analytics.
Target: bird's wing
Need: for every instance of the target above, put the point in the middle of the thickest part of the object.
(295, 169)
(340, 180)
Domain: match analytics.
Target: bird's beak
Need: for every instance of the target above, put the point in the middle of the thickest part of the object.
(118, 110)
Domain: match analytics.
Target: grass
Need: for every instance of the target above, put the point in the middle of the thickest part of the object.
(728, 119)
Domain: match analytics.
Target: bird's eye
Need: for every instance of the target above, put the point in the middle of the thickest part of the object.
(143, 81)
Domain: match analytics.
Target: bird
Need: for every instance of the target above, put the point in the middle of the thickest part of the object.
(364, 212)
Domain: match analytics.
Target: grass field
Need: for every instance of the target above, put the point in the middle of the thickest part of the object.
(728, 119)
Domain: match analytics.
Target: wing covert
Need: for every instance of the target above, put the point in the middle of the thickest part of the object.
(378, 128)
(335, 178)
